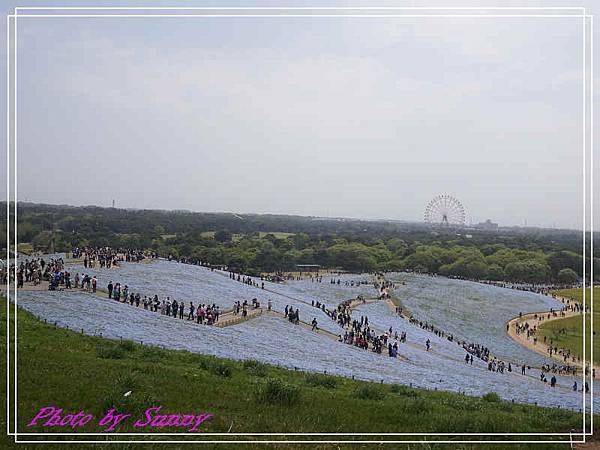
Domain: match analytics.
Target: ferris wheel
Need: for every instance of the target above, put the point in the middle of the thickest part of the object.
(445, 210)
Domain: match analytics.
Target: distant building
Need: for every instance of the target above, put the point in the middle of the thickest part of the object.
(487, 225)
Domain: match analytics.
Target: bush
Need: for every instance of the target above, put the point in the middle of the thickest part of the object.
(404, 391)
(462, 403)
(135, 403)
(125, 381)
(567, 276)
(370, 392)
(316, 379)
(221, 369)
(216, 367)
(420, 404)
(110, 352)
(128, 346)
(491, 397)
(276, 392)
(205, 364)
(150, 354)
(255, 368)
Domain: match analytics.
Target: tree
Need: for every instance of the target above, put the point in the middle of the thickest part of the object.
(397, 246)
(565, 260)
(268, 257)
(495, 272)
(468, 267)
(567, 276)
(395, 265)
(354, 257)
(425, 259)
(223, 236)
(531, 271)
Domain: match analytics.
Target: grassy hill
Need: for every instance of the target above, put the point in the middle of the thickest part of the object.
(568, 332)
(78, 372)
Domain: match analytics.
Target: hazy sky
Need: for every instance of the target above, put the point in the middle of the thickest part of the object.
(353, 117)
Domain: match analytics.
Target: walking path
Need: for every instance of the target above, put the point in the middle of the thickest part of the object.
(228, 318)
(42, 286)
(536, 319)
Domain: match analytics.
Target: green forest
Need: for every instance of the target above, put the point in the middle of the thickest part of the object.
(268, 243)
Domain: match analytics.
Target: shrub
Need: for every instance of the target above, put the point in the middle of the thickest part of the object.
(276, 392)
(404, 391)
(370, 392)
(491, 397)
(110, 352)
(135, 403)
(421, 405)
(255, 368)
(316, 379)
(128, 346)
(221, 369)
(205, 364)
(216, 367)
(150, 354)
(125, 381)
(462, 403)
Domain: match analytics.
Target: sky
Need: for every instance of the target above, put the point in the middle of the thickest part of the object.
(338, 117)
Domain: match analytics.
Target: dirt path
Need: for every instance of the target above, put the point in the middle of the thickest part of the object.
(304, 325)
(226, 318)
(42, 286)
(541, 347)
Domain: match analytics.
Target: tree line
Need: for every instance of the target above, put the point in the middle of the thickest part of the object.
(256, 243)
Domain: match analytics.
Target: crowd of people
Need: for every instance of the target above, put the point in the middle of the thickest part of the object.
(544, 289)
(246, 280)
(494, 364)
(108, 256)
(241, 308)
(203, 314)
(35, 270)
(314, 277)
(363, 336)
(356, 332)
(530, 330)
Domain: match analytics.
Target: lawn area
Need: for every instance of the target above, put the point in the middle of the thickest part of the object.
(78, 372)
(577, 294)
(277, 234)
(25, 247)
(261, 234)
(572, 337)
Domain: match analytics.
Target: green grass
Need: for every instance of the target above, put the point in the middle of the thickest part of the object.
(577, 294)
(568, 333)
(261, 234)
(277, 234)
(25, 247)
(78, 372)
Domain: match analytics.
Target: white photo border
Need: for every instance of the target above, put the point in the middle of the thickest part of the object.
(12, 113)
